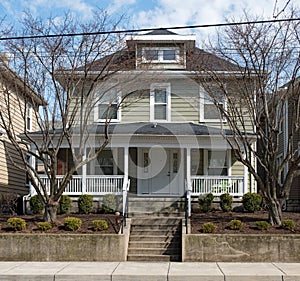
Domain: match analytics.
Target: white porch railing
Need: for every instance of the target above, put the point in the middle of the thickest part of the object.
(217, 185)
(94, 185)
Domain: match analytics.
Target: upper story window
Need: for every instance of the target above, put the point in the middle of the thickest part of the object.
(211, 105)
(28, 117)
(160, 54)
(108, 108)
(160, 99)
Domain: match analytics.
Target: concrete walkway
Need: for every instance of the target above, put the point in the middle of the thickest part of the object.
(137, 271)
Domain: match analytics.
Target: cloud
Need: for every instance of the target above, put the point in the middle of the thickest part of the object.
(118, 5)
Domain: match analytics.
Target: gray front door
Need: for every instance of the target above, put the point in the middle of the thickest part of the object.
(159, 171)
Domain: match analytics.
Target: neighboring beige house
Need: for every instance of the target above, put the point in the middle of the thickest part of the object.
(17, 102)
(167, 137)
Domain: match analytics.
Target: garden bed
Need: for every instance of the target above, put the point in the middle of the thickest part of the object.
(114, 223)
(222, 219)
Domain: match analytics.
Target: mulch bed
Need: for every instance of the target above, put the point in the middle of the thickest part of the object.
(221, 220)
(114, 223)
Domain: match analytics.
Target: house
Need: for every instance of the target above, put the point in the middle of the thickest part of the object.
(289, 138)
(166, 137)
(18, 103)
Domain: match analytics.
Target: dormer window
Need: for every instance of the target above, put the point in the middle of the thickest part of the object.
(160, 54)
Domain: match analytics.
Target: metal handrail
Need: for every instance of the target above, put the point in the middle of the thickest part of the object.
(125, 204)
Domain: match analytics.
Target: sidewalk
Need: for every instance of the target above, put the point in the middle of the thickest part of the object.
(137, 271)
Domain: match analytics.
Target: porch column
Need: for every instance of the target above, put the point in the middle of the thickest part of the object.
(246, 178)
(83, 183)
(126, 157)
(188, 167)
(32, 162)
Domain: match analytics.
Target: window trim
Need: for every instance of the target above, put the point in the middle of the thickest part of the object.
(203, 101)
(153, 87)
(161, 54)
(96, 110)
(29, 116)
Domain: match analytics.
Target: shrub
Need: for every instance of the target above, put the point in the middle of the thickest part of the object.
(252, 202)
(85, 204)
(226, 202)
(262, 225)
(72, 224)
(109, 203)
(16, 224)
(235, 225)
(205, 202)
(65, 203)
(36, 205)
(208, 227)
(8, 203)
(44, 226)
(288, 224)
(99, 225)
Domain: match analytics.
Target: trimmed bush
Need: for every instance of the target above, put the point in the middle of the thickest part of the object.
(16, 224)
(262, 225)
(72, 224)
(44, 226)
(109, 203)
(85, 204)
(99, 225)
(36, 205)
(65, 203)
(252, 202)
(235, 225)
(208, 227)
(288, 224)
(205, 202)
(226, 202)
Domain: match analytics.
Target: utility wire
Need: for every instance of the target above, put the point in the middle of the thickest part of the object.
(147, 29)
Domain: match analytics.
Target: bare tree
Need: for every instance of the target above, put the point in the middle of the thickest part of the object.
(69, 75)
(252, 103)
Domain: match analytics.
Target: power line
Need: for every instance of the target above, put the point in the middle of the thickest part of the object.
(147, 29)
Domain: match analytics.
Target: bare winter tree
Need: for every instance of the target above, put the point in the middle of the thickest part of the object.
(63, 72)
(253, 104)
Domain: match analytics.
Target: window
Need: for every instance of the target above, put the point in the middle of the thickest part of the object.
(108, 108)
(209, 112)
(217, 163)
(105, 163)
(28, 117)
(160, 102)
(156, 54)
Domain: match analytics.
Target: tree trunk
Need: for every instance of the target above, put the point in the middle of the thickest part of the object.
(275, 213)
(51, 211)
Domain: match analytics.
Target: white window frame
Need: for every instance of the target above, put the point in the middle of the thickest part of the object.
(96, 110)
(228, 157)
(153, 87)
(28, 116)
(205, 99)
(161, 54)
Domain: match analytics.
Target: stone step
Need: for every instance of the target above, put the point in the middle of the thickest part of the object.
(145, 232)
(154, 258)
(152, 238)
(154, 244)
(142, 213)
(156, 220)
(137, 227)
(154, 251)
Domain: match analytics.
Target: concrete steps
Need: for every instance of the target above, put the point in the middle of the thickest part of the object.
(155, 239)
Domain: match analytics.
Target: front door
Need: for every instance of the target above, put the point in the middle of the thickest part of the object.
(159, 171)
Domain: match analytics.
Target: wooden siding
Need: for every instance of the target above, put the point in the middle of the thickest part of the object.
(12, 179)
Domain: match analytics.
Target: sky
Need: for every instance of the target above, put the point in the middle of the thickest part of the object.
(148, 13)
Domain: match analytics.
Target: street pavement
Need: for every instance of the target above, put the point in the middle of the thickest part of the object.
(144, 271)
